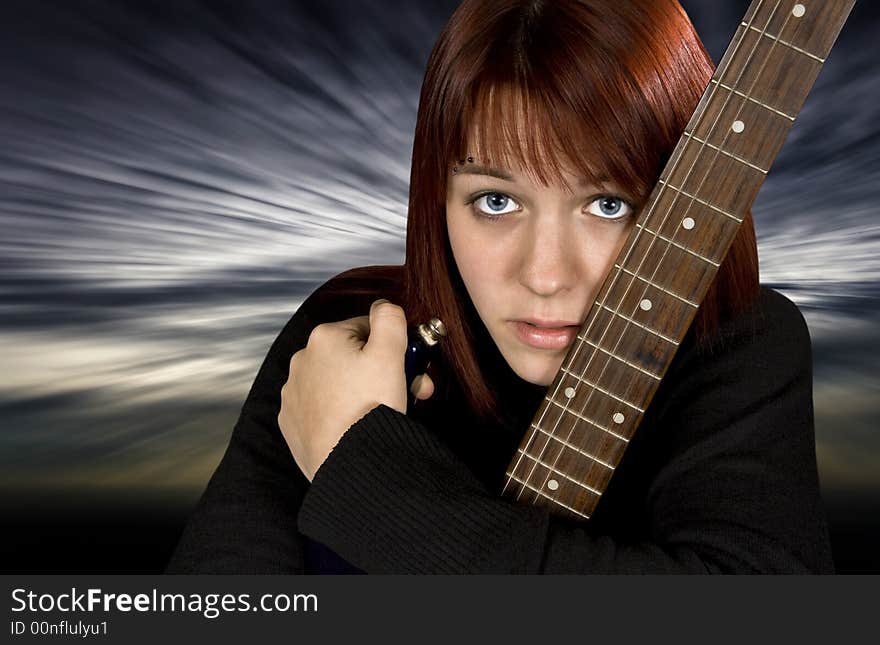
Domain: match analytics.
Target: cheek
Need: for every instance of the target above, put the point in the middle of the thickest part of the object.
(479, 254)
(602, 245)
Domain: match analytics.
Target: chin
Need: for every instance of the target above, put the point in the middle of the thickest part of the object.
(537, 373)
(533, 366)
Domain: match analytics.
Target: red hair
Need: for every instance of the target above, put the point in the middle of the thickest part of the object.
(606, 88)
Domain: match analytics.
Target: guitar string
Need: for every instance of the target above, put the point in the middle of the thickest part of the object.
(717, 153)
(632, 280)
(657, 266)
(652, 241)
(573, 355)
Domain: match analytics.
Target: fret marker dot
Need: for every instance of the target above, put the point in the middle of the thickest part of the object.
(645, 305)
(738, 126)
(688, 223)
(569, 392)
(552, 484)
(798, 11)
(618, 417)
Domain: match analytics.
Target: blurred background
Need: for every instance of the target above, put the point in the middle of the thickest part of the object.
(176, 177)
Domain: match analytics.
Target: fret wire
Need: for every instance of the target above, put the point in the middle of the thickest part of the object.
(787, 44)
(632, 245)
(546, 496)
(571, 446)
(669, 242)
(736, 219)
(657, 286)
(586, 420)
(637, 324)
(694, 199)
(619, 358)
(725, 152)
(677, 245)
(599, 389)
(643, 227)
(559, 472)
(752, 99)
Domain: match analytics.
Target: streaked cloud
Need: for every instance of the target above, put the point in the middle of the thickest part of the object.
(174, 182)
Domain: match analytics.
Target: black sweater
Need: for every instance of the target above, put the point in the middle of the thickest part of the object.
(720, 477)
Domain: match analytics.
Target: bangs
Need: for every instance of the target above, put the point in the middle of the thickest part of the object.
(573, 88)
(510, 127)
(536, 130)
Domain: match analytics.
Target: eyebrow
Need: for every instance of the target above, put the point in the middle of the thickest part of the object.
(485, 170)
(506, 176)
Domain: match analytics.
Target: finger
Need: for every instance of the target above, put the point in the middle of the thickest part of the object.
(387, 330)
(333, 333)
(422, 387)
(358, 327)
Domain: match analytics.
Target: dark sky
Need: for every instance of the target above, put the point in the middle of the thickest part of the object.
(175, 178)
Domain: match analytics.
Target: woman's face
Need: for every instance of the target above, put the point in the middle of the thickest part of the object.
(528, 252)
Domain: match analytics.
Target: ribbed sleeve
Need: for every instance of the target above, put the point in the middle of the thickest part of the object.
(734, 487)
(720, 477)
(391, 498)
(245, 521)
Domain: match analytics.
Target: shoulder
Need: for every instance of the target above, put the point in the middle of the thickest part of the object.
(772, 327)
(772, 314)
(346, 295)
(351, 289)
(756, 351)
(343, 296)
(751, 388)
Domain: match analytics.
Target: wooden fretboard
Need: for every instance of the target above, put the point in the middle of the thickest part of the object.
(609, 376)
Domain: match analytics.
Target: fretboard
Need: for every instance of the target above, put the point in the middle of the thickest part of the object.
(592, 409)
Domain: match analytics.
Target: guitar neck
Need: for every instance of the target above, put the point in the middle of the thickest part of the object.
(646, 305)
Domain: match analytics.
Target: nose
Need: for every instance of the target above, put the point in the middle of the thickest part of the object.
(550, 261)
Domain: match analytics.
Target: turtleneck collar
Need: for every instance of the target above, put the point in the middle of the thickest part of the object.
(486, 447)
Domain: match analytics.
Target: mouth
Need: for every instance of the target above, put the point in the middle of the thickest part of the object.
(545, 336)
(549, 324)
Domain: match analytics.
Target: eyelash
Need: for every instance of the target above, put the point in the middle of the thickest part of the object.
(494, 218)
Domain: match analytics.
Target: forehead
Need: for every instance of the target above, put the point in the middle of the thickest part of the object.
(475, 166)
(515, 139)
(501, 158)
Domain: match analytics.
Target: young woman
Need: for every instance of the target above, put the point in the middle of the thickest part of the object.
(542, 128)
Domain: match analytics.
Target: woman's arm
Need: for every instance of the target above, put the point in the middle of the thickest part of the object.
(738, 489)
(245, 522)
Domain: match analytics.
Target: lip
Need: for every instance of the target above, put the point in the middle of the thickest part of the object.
(551, 337)
(538, 322)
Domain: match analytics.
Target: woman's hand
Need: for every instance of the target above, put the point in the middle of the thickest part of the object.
(346, 369)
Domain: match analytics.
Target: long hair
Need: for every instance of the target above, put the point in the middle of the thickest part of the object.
(606, 88)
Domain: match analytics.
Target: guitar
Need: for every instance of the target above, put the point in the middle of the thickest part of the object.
(593, 407)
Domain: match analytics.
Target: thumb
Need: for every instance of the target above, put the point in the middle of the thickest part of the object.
(422, 387)
(387, 330)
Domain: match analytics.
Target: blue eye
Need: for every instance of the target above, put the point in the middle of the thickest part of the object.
(493, 205)
(610, 207)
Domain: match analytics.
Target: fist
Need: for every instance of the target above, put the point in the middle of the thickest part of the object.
(346, 369)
